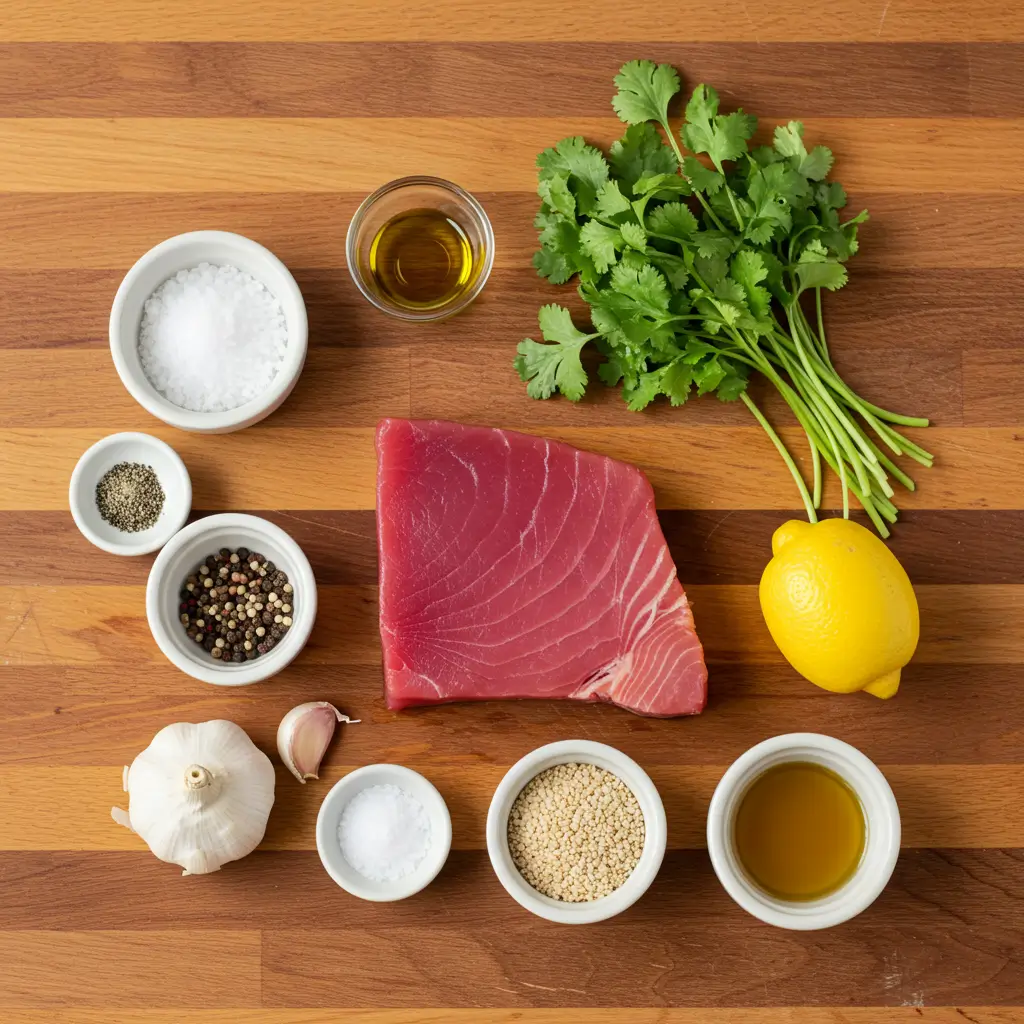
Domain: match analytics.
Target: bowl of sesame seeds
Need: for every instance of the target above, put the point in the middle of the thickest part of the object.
(231, 599)
(130, 493)
(576, 832)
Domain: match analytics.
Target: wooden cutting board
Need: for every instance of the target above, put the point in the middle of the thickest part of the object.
(274, 119)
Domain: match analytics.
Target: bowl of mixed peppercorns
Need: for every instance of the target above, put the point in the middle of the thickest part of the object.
(231, 599)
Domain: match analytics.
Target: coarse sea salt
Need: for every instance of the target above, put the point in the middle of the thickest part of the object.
(384, 833)
(212, 338)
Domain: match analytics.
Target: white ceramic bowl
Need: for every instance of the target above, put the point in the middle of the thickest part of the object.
(103, 456)
(164, 261)
(882, 843)
(655, 838)
(329, 847)
(184, 553)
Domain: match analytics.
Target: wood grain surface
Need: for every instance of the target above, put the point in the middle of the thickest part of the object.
(124, 123)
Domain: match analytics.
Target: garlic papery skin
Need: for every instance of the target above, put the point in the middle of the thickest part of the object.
(199, 795)
(304, 735)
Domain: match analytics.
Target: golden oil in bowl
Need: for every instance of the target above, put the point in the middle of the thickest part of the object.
(420, 248)
(422, 259)
(799, 831)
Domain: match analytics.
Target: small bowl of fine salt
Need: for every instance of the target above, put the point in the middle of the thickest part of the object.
(383, 832)
(208, 331)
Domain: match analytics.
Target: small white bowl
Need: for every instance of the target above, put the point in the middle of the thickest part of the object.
(655, 831)
(164, 261)
(881, 815)
(103, 456)
(179, 558)
(329, 847)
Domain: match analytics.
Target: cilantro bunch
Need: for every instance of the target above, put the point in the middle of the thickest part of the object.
(698, 272)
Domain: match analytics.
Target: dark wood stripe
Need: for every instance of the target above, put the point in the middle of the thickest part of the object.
(945, 930)
(708, 547)
(878, 310)
(83, 714)
(477, 79)
(965, 889)
(996, 86)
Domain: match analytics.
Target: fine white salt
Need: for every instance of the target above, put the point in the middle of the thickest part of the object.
(384, 833)
(212, 338)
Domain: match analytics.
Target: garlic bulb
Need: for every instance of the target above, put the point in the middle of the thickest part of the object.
(199, 795)
(304, 735)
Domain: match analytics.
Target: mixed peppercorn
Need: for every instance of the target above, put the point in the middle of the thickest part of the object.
(237, 605)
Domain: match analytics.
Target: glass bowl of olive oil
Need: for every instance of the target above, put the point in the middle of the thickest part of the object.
(420, 248)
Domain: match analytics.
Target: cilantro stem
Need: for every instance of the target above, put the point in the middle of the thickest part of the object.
(679, 157)
(816, 463)
(821, 329)
(812, 515)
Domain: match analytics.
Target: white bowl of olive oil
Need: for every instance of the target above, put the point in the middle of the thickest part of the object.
(420, 248)
(803, 831)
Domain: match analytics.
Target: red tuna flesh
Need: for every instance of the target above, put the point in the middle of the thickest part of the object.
(516, 567)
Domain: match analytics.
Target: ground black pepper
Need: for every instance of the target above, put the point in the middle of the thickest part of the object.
(236, 605)
(129, 497)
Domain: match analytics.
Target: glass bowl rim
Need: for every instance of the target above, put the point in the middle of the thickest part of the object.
(465, 197)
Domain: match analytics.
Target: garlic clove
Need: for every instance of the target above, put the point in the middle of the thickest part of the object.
(120, 815)
(304, 735)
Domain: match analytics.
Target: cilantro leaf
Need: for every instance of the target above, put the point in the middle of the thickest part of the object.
(722, 136)
(640, 153)
(748, 271)
(583, 166)
(601, 243)
(789, 142)
(646, 287)
(674, 220)
(610, 201)
(555, 266)
(557, 365)
(830, 275)
(734, 383)
(702, 178)
(673, 267)
(643, 391)
(712, 244)
(634, 235)
(676, 381)
(644, 91)
(555, 193)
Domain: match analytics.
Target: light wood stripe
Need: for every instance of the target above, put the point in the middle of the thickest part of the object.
(488, 154)
(339, 387)
(705, 467)
(509, 20)
(122, 968)
(82, 625)
(68, 808)
(783, 1015)
(63, 230)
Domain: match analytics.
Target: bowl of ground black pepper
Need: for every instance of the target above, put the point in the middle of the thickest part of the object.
(231, 599)
(130, 493)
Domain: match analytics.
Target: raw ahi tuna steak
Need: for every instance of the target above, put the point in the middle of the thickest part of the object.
(512, 566)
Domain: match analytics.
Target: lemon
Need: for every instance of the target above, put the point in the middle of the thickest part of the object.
(840, 606)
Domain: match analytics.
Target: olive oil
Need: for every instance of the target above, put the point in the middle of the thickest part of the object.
(799, 831)
(422, 259)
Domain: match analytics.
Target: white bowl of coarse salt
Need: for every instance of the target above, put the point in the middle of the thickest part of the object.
(383, 832)
(601, 863)
(208, 331)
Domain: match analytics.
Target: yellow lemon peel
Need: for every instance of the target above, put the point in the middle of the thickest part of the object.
(840, 606)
